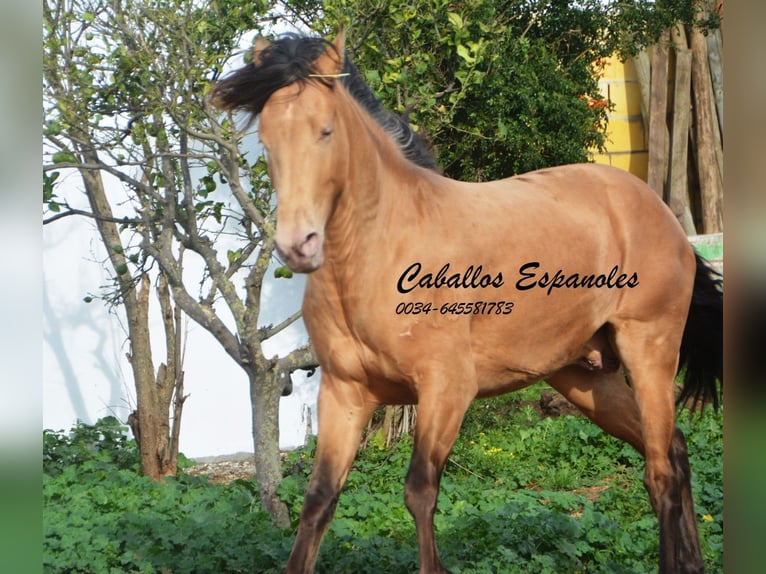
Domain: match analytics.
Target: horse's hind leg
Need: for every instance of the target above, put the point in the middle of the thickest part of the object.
(691, 553)
(609, 402)
(605, 398)
(649, 353)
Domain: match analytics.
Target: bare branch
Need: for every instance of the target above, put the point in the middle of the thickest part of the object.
(202, 247)
(73, 211)
(302, 358)
(271, 330)
(254, 285)
(215, 137)
(229, 162)
(121, 175)
(199, 312)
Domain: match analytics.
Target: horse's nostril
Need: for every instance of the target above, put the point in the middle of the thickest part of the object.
(310, 245)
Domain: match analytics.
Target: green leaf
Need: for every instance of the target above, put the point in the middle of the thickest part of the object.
(233, 256)
(64, 157)
(54, 128)
(283, 272)
(122, 268)
(372, 77)
(208, 185)
(464, 53)
(455, 20)
(502, 129)
(217, 211)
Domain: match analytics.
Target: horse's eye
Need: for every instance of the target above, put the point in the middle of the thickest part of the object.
(325, 132)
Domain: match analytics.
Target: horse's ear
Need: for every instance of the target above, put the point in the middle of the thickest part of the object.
(330, 63)
(340, 44)
(259, 45)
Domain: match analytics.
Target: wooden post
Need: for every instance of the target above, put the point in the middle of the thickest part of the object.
(716, 73)
(678, 192)
(715, 61)
(710, 175)
(644, 76)
(658, 131)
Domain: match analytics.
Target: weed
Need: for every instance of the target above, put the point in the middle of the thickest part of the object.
(522, 494)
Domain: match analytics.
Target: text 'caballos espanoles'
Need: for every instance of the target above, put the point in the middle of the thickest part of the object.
(530, 276)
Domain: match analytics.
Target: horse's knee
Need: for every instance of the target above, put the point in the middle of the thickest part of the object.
(318, 506)
(420, 489)
(658, 478)
(678, 469)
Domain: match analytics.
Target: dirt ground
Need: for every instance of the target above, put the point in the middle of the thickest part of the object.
(224, 469)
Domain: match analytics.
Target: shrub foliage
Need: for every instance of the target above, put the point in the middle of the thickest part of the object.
(521, 493)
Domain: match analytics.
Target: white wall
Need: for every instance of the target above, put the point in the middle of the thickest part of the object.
(86, 375)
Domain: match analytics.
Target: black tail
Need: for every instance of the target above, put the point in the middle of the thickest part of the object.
(702, 343)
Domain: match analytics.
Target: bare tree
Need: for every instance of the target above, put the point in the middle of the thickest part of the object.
(125, 86)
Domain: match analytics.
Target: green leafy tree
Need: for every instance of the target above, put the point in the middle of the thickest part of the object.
(500, 87)
(125, 109)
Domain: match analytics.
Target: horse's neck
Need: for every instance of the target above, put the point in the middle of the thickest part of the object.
(376, 190)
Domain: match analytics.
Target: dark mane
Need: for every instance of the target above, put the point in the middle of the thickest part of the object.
(291, 59)
(414, 146)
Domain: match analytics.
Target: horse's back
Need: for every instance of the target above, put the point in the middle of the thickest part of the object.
(579, 213)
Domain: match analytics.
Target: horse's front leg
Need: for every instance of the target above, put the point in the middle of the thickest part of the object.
(441, 407)
(343, 410)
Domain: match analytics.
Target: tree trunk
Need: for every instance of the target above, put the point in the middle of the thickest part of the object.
(265, 391)
(156, 435)
(170, 381)
(150, 421)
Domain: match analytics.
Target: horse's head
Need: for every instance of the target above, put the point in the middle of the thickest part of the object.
(295, 80)
(304, 151)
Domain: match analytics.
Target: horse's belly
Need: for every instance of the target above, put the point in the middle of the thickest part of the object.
(542, 335)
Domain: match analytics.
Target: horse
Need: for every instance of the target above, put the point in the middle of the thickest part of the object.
(430, 291)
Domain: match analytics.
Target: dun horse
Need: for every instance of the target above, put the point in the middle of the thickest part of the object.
(432, 291)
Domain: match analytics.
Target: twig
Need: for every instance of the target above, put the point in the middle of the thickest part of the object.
(72, 211)
(468, 470)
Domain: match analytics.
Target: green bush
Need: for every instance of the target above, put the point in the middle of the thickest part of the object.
(569, 499)
(101, 515)
(105, 443)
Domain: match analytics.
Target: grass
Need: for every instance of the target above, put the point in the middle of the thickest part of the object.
(520, 493)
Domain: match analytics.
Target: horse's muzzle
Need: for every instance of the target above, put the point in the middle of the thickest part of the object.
(303, 255)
